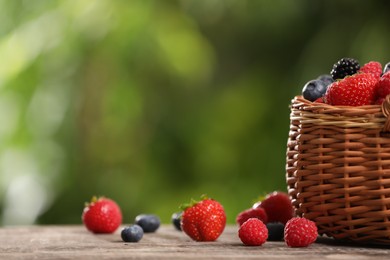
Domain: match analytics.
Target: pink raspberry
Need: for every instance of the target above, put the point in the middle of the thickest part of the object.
(253, 232)
(372, 67)
(300, 232)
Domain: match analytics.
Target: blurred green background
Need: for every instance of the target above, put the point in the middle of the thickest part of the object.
(152, 103)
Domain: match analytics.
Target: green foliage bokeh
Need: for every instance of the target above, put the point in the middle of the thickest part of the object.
(152, 103)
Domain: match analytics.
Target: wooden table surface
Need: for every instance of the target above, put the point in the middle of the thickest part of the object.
(74, 242)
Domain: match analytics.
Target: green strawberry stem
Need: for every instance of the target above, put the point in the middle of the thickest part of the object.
(193, 202)
(94, 199)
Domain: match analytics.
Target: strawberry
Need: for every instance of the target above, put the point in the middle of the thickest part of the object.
(382, 88)
(203, 220)
(252, 213)
(277, 206)
(253, 232)
(319, 100)
(102, 215)
(300, 232)
(372, 67)
(355, 90)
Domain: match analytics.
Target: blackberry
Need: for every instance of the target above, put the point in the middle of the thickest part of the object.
(314, 89)
(132, 233)
(275, 231)
(148, 222)
(344, 67)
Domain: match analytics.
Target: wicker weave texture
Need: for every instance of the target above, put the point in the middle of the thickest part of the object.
(338, 169)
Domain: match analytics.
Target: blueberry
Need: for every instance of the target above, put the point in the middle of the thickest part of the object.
(148, 222)
(275, 231)
(176, 219)
(326, 78)
(386, 68)
(314, 89)
(132, 233)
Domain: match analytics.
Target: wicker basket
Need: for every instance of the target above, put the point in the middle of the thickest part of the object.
(338, 169)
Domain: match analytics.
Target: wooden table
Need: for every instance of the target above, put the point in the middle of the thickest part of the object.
(74, 242)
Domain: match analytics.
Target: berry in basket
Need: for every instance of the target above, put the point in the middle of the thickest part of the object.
(386, 68)
(382, 88)
(372, 67)
(355, 90)
(314, 89)
(352, 86)
(344, 67)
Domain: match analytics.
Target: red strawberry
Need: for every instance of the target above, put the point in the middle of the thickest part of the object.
(252, 213)
(204, 220)
(319, 100)
(300, 232)
(253, 232)
(372, 67)
(102, 215)
(382, 88)
(278, 207)
(355, 90)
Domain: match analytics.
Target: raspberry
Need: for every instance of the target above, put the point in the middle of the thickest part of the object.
(372, 67)
(253, 232)
(356, 90)
(252, 213)
(300, 232)
(344, 67)
(382, 88)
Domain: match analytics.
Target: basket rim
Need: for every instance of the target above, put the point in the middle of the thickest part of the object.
(321, 114)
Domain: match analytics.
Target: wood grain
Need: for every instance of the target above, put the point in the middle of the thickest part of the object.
(74, 242)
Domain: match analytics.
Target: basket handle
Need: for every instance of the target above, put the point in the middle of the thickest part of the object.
(386, 113)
